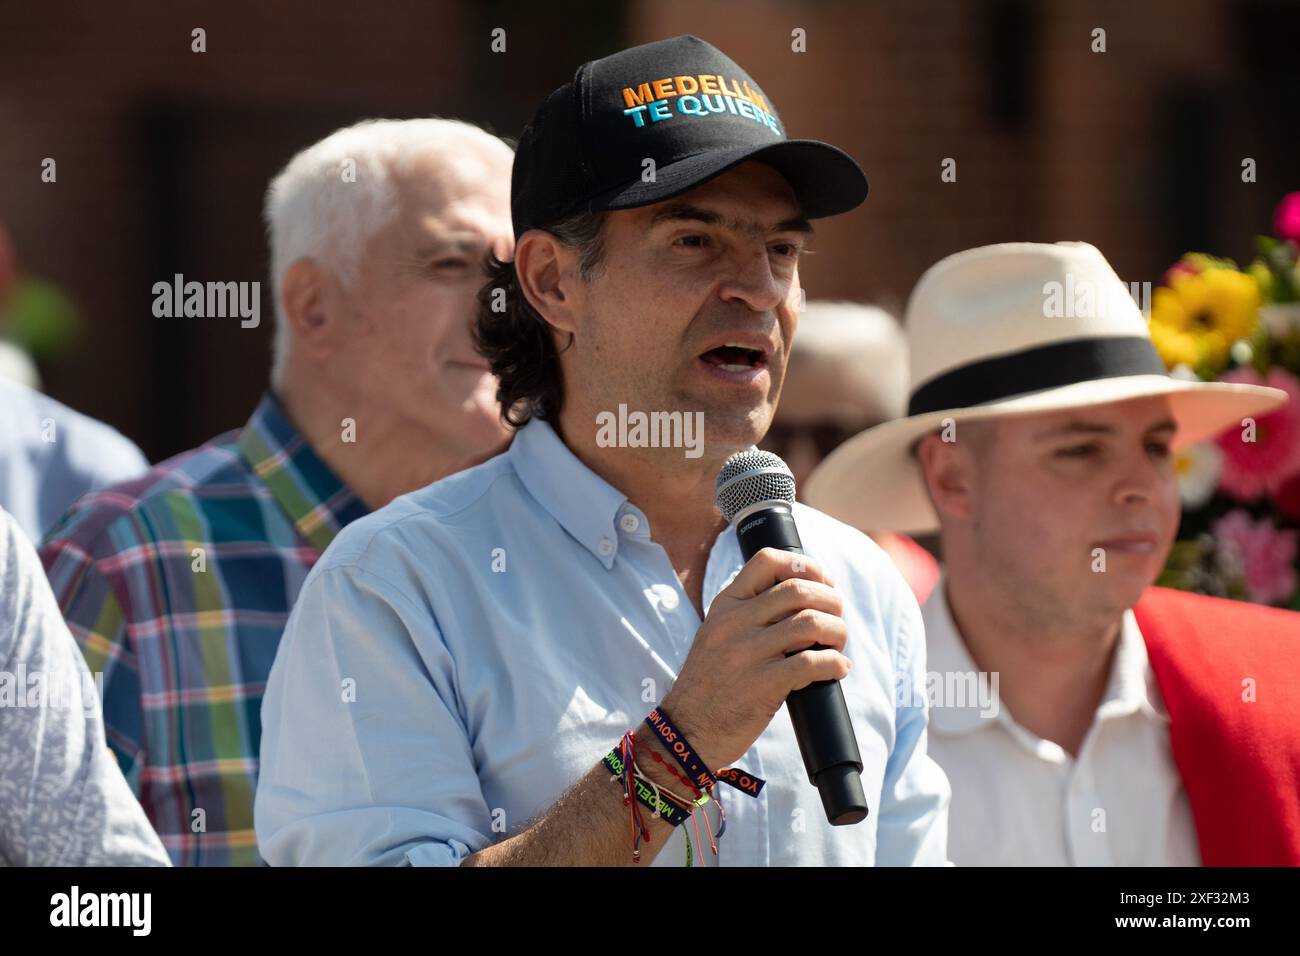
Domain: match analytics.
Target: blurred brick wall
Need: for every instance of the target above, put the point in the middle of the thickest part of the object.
(163, 154)
(1052, 141)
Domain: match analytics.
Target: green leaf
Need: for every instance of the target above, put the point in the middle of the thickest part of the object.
(42, 319)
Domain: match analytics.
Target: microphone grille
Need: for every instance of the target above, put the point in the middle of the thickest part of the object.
(749, 477)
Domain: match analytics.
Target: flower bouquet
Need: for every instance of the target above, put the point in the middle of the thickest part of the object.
(1241, 492)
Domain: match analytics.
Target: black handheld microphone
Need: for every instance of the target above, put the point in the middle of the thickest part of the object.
(755, 492)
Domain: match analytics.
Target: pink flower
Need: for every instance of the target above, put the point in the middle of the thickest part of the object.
(1266, 555)
(1252, 467)
(1177, 269)
(1287, 497)
(1286, 220)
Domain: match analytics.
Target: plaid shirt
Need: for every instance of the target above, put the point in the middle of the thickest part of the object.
(177, 586)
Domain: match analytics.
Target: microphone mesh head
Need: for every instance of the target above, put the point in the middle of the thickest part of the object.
(749, 477)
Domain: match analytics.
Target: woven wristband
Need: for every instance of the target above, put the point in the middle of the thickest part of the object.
(666, 809)
(675, 742)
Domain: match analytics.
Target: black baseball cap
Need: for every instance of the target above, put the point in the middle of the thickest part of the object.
(682, 103)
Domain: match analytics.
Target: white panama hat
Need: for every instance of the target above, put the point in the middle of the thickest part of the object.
(1013, 329)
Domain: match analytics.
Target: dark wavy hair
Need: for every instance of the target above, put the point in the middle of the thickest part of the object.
(519, 344)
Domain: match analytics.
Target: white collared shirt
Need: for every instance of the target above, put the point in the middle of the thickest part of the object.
(1019, 800)
(460, 658)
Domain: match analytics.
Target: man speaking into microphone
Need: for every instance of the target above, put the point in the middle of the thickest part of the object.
(560, 657)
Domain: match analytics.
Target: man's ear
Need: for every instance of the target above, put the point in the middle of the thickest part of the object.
(948, 469)
(548, 278)
(310, 298)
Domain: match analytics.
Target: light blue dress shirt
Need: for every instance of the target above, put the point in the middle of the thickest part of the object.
(51, 455)
(460, 658)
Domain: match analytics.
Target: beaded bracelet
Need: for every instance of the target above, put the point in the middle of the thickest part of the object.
(664, 803)
(622, 766)
(659, 798)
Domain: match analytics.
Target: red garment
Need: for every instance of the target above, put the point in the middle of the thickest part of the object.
(1239, 759)
(919, 568)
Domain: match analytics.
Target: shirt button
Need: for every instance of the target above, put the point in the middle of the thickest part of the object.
(629, 523)
(605, 548)
(667, 596)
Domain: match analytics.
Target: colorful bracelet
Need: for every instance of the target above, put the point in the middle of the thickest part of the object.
(673, 770)
(700, 778)
(639, 829)
(661, 804)
(664, 803)
(675, 743)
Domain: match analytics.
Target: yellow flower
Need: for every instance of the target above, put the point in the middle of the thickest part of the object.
(1196, 319)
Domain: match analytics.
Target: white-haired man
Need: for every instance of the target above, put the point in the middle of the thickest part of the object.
(1085, 718)
(178, 585)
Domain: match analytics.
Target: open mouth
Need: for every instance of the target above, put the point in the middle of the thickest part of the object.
(735, 358)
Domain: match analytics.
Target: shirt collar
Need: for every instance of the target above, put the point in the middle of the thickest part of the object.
(316, 501)
(584, 504)
(946, 655)
(1131, 686)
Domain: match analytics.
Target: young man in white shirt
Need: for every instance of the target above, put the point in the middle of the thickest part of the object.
(1040, 446)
